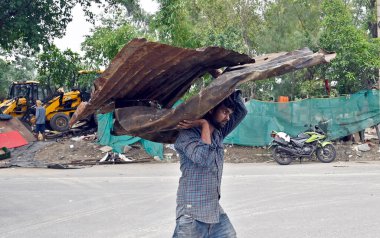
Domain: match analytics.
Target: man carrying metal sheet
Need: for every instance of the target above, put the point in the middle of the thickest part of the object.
(200, 147)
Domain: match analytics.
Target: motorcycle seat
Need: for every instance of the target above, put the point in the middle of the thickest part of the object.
(298, 140)
(303, 136)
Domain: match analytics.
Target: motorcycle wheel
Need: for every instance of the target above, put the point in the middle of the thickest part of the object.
(326, 154)
(280, 157)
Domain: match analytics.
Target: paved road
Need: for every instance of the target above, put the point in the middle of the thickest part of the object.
(138, 200)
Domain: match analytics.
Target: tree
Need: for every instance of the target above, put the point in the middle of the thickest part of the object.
(289, 25)
(226, 23)
(124, 22)
(20, 69)
(58, 69)
(106, 41)
(357, 53)
(365, 15)
(256, 27)
(28, 24)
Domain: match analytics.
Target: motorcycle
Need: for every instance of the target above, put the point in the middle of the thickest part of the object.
(305, 145)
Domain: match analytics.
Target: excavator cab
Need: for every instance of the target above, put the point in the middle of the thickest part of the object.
(21, 96)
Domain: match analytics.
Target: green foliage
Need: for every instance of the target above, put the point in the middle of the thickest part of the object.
(226, 23)
(106, 42)
(247, 26)
(357, 54)
(289, 25)
(28, 24)
(20, 69)
(125, 22)
(58, 69)
(174, 25)
(364, 14)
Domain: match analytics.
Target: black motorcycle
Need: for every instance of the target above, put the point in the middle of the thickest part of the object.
(286, 148)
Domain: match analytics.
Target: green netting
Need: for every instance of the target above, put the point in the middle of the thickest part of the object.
(340, 116)
(105, 123)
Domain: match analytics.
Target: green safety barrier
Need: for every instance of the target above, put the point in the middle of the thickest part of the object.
(340, 116)
(105, 123)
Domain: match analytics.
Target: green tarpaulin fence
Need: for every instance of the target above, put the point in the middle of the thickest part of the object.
(341, 116)
(105, 123)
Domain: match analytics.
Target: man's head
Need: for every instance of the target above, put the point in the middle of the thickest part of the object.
(220, 115)
(38, 103)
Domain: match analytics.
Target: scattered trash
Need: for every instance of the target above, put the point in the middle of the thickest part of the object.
(170, 146)
(90, 137)
(12, 139)
(126, 148)
(105, 149)
(71, 146)
(156, 158)
(104, 157)
(61, 166)
(115, 157)
(136, 146)
(364, 147)
(40, 137)
(79, 124)
(126, 159)
(79, 138)
(4, 153)
(168, 156)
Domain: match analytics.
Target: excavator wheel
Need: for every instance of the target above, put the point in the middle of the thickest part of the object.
(60, 122)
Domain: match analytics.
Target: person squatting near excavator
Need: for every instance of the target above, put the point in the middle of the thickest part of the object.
(200, 147)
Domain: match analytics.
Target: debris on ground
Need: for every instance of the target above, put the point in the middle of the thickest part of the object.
(106, 149)
(5, 153)
(12, 139)
(62, 166)
(126, 148)
(65, 153)
(14, 124)
(363, 147)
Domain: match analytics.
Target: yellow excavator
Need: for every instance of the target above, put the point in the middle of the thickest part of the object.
(59, 107)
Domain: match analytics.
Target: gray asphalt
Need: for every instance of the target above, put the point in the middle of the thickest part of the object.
(138, 200)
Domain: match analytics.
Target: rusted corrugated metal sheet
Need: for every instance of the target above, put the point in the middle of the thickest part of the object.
(160, 124)
(151, 71)
(148, 71)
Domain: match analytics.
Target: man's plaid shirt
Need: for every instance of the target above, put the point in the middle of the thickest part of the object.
(202, 166)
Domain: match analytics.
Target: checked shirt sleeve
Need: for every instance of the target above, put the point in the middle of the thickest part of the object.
(237, 116)
(189, 145)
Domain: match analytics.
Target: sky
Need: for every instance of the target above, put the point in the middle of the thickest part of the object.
(79, 27)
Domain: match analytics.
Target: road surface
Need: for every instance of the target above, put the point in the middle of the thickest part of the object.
(138, 200)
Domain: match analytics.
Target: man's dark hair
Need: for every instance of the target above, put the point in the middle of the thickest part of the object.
(228, 102)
